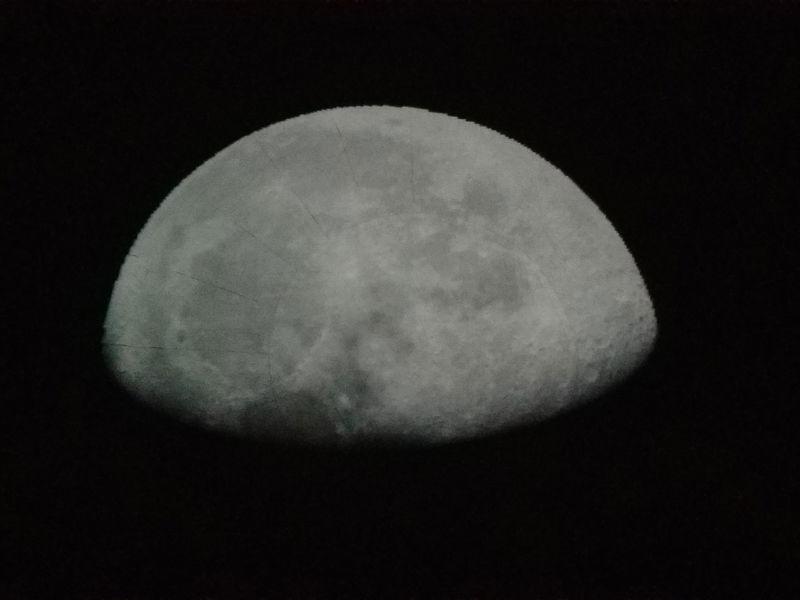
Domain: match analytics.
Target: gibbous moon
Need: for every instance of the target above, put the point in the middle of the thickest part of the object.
(375, 274)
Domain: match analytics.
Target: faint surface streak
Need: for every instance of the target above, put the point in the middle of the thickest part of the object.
(347, 158)
(179, 348)
(296, 197)
(203, 281)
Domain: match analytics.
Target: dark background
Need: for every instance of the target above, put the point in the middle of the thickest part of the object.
(680, 122)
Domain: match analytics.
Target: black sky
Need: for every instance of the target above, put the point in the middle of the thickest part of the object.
(680, 122)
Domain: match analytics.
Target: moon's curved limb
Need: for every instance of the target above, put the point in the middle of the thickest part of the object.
(376, 273)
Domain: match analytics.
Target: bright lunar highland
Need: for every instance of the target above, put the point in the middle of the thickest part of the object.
(375, 274)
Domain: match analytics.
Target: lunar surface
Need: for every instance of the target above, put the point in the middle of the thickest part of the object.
(375, 274)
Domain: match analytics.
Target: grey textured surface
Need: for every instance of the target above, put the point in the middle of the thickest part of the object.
(375, 273)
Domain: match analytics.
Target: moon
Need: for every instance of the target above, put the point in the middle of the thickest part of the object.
(372, 274)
